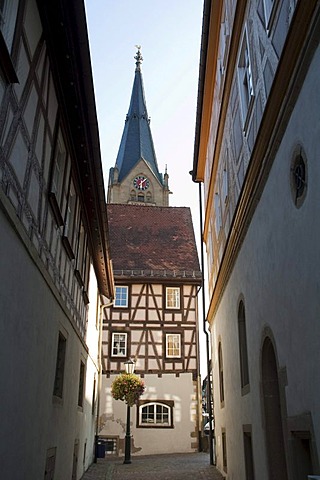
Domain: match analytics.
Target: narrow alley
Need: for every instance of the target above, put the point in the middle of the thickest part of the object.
(191, 466)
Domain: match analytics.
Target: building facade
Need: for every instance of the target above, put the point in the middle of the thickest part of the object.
(256, 151)
(54, 266)
(154, 319)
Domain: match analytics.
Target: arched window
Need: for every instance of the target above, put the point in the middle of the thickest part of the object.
(133, 196)
(155, 414)
(221, 381)
(140, 197)
(244, 366)
(149, 197)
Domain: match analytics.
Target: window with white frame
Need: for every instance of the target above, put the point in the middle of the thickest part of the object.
(119, 344)
(245, 78)
(155, 414)
(173, 345)
(121, 296)
(173, 297)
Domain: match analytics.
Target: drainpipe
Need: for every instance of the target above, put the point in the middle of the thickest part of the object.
(209, 393)
(101, 309)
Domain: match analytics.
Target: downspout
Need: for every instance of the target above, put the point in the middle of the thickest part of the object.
(209, 393)
(101, 308)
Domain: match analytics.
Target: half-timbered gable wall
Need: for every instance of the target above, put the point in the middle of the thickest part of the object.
(146, 323)
(154, 322)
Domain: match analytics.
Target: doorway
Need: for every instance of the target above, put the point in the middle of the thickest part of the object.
(272, 412)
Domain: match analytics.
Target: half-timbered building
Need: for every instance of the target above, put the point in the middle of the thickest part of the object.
(154, 322)
(154, 316)
(54, 262)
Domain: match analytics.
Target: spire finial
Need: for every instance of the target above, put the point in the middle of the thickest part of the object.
(138, 57)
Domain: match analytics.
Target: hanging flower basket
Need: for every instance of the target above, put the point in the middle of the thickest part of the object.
(127, 387)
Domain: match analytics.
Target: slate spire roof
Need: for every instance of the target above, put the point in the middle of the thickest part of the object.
(136, 142)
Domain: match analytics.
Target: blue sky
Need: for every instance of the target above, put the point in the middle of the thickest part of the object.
(169, 32)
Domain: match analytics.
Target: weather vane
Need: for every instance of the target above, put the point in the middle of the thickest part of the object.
(138, 57)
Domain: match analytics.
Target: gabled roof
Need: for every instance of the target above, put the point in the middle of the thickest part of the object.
(153, 241)
(136, 142)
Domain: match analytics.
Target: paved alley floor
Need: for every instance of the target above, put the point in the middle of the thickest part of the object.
(191, 466)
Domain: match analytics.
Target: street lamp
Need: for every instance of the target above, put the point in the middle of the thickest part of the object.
(129, 366)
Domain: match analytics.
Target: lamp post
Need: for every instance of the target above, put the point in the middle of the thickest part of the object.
(129, 365)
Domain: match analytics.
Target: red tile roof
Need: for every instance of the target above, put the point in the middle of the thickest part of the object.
(152, 238)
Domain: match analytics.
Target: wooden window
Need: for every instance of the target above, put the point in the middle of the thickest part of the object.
(119, 344)
(244, 366)
(81, 384)
(248, 455)
(155, 414)
(75, 460)
(59, 185)
(81, 254)
(224, 450)
(50, 464)
(121, 297)
(221, 379)
(245, 79)
(60, 364)
(71, 221)
(173, 345)
(173, 297)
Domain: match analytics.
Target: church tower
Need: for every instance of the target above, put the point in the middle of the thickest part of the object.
(135, 178)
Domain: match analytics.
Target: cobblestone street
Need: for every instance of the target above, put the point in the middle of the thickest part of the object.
(193, 466)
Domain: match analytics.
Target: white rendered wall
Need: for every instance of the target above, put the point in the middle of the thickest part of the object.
(183, 437)
(277, 275)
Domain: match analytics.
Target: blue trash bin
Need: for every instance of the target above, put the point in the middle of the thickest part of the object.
(100, 449)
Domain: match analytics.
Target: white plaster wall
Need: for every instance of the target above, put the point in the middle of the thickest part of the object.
(31, 317)
(277, 273)
(182, 438)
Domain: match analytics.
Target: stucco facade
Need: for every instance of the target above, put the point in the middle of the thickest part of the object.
(183, 434)
(256, 152)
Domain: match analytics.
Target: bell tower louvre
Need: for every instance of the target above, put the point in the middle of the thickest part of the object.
(135, 178)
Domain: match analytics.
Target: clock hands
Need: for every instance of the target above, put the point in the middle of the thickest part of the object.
(142, 182)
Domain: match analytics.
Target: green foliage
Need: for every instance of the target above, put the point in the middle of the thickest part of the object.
(127, 387)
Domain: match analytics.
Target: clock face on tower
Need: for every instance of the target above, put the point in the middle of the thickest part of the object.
(141, 182)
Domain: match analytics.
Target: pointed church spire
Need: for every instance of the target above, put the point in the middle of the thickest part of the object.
(137, 142)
